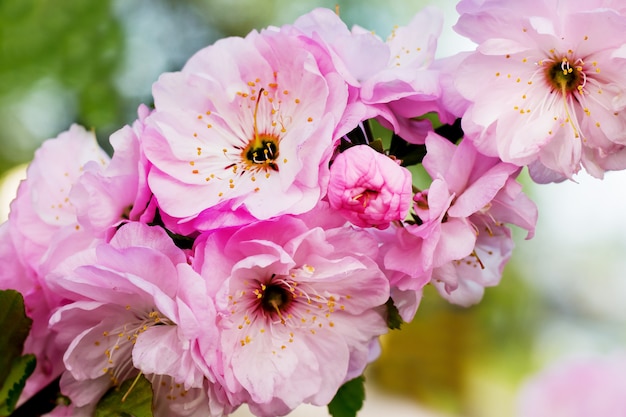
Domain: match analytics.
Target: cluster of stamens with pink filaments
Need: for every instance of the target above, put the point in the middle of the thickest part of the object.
(282, 301)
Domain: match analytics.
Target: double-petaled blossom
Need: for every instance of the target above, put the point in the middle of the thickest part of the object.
(390, 80)
(138, 307)
(42, 210)
(368, 188)
(483, 196)
(105, 196)
(460, 241)
(42, 217)
(245, 131)
(547, 84)
(39, 302)
(300, 309)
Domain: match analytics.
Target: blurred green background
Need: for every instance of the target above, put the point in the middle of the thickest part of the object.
(93, 62)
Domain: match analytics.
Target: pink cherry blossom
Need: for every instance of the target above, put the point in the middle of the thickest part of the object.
(300, 309)
(139, 307)
(42, 214)
(406, 278)
(578, 387)
(461, 221)
(369, 188)
(546, 84)
(390, 80)
(104, 196)
(463, 281)
(476, 184)
(39, 303)
(42, 206)
(248, 125)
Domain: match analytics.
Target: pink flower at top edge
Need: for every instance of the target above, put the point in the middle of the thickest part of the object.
(248, 124)
(370, 189)
(546, 84)
(390, 80)
(300, 309)
(410, 86)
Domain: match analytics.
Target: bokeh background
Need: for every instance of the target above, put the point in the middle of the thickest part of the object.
(562, 295)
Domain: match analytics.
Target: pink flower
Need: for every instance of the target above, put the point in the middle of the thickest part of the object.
(389, 80)
(300, 309)
(369, 188)
(461, 220)
(41, 216)
(484, 196)
(39, 303)
(546, 84)
(42, 206)
(104, 196)
(138, 307)
(247, 126)
(580, 387)
(463, 281)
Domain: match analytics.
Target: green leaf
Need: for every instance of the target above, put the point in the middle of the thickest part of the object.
(378, 145)
(349, 398)
(132, 398)
(432, 117)
(453, 132)
(394, 320)
(22, 368)
(408, 153)
(15, 328)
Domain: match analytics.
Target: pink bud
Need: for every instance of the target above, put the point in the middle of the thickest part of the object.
(369, 188)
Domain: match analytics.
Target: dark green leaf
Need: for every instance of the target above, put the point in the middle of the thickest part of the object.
(22, 368)
(183, 242)
(394, 321)
(408, 153)
(433, 118)
(43, 401)
(377, 145)
(132, 398)
(349, 398)
(15, 328)
(452, 132)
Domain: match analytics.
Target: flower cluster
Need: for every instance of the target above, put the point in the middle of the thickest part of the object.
(249, 239)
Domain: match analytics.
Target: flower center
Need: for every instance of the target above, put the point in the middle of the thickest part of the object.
(261, 152)
(275, 299)
(365, 197)
(561, 76)
(118, 342)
